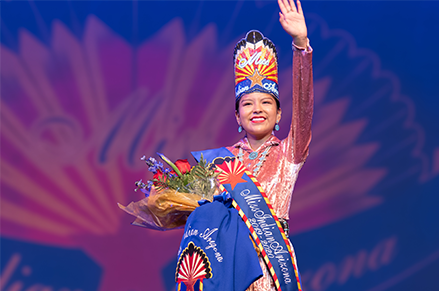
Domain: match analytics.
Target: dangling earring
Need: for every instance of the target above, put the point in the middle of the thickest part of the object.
(240, 128)
(276, 127)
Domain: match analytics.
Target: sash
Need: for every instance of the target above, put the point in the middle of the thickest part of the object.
(214, 246)
(255, 209)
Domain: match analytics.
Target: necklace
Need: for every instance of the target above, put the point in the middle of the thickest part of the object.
(254, 155)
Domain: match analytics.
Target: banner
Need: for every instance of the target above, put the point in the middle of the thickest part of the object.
(256, 211)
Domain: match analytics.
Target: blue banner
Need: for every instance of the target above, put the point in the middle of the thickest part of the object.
(257, 213)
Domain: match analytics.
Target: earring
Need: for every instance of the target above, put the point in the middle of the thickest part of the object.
(276, 127)
(240, 128)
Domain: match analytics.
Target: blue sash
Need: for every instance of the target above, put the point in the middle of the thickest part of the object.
(255, 209)
(214, 246)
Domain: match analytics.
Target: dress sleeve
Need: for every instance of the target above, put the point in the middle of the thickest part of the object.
(299, 137)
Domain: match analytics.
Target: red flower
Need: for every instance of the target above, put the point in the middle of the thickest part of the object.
(183, 166)
(159, 176)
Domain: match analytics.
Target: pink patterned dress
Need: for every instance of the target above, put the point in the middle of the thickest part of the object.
(279, 172)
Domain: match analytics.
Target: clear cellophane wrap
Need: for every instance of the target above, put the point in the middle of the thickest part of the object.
(163, 210)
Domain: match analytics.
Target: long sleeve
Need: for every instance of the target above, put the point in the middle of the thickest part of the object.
(299, 137)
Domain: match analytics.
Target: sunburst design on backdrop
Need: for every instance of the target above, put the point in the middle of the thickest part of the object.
(338, 180)
(75, 120)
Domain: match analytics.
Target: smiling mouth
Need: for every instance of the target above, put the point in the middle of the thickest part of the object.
(257, 119)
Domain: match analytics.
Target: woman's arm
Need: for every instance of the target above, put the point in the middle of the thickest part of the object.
(293, 22)
(303, 103)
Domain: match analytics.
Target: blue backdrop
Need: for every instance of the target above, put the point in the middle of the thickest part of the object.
(88, 87)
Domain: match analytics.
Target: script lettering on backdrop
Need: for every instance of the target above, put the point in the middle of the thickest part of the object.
(14, 268)
(352, 266)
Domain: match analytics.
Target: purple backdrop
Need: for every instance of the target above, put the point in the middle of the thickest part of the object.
(87, 88)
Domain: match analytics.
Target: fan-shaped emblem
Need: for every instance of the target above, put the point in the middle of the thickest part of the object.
(231, 171)
(192, 265)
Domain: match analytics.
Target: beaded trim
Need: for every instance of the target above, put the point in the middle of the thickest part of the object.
(261, 159)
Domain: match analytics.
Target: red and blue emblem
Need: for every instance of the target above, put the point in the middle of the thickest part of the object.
(192, 266)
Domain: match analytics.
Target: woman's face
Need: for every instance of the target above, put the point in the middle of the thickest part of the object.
(258, 114)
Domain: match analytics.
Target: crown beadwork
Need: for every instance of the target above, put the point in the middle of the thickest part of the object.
(256, 65)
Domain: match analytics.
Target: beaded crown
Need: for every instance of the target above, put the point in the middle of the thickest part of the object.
(255, 62)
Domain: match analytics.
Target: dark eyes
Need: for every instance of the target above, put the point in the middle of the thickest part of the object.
(263, 102)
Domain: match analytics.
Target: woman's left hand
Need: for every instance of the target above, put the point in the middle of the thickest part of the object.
(293, 21)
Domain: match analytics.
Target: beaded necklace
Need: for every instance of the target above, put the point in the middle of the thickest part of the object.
(253, 156)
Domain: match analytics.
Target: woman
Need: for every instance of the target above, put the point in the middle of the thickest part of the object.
(258, 172)
(274, 163)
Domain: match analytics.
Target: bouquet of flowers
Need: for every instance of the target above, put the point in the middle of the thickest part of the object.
(173, 193)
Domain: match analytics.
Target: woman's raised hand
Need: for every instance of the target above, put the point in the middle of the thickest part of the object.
(292, 20)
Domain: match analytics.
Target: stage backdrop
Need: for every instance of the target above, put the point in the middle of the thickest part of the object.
(88, 87)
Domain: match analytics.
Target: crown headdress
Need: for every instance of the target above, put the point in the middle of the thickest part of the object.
(255, 61)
